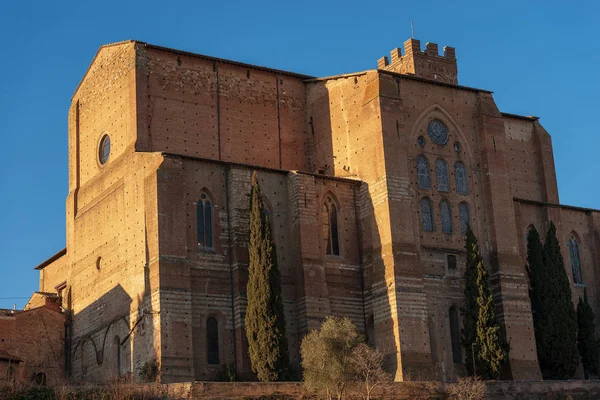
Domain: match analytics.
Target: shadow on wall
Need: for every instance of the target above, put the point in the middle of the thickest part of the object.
(121, 341)
(333, 145)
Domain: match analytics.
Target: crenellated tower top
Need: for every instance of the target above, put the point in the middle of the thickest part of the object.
(426, 64)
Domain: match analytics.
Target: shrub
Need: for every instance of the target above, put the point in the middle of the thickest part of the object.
(228, 373)
(150, 371)
(327, 356)
(467, 389)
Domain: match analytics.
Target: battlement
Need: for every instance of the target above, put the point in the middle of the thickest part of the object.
(426, 63)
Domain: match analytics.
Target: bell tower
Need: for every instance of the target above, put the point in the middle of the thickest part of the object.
(426, 64)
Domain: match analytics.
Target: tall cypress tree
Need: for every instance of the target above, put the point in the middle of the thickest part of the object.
(481, 333)
(554, 317)
(586, 337)
(265, 321)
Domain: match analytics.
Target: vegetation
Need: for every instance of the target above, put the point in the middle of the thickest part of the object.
(150, 371)
(481, 333)
(368, 369)
(228, 373)
(586, 337)
(265, 321)
(335, 358)
(554, 317)
(467, 389)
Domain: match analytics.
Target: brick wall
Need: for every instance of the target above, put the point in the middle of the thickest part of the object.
(36, 337)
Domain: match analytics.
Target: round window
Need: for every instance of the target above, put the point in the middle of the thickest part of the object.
(104, 149)
(421, 141)
(438, 132)
(457, 147)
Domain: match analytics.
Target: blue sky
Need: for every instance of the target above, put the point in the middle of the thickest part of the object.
(539, 57)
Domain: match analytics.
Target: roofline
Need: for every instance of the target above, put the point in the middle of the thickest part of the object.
(94, 59)
(52, 259)
(260, 168)
(517, 116)
(554, 205)
(339, 76)
(188, 53)
(433, 82)
(226, 61)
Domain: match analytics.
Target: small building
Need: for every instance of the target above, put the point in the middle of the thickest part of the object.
(32, 341)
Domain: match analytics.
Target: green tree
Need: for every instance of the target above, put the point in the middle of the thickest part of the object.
(481, 333)
(586, 336)
(328, 356)
(265, 321)
(554, 317)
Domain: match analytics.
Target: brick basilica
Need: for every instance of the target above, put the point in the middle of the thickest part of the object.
(370, 179)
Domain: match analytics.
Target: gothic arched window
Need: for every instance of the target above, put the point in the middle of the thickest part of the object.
(117, 344)
(330, 227)
(455, 335)
(460, 174)
(212, 341)
(204, 220)
(427, 214)
(446, 213)
(423, 172)
(465, 217)
(575, 265)
(441, 175)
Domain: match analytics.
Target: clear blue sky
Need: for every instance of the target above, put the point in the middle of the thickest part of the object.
(539, 57)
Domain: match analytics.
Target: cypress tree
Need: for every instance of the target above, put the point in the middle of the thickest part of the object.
(586, 336)
(481, 336)
(265, 321)
(554, 318)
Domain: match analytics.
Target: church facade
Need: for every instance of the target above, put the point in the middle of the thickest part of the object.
(369, 178)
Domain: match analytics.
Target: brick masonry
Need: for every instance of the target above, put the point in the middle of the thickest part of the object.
(182, 125)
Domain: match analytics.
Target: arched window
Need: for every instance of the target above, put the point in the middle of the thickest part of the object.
(423, 172)
(575, 265)
(460, 174)
(465, 217)
(427, 215)
(446, 214)
(455, 335)
(204, 217)
(330, 227)
(441, 175)
(117, 344)
(370, 331)
(212, 341)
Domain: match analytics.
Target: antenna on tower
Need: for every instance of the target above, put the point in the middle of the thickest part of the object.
(412, 29)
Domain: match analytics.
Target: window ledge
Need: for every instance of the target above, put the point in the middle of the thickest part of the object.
(202, 249)
(580, 285)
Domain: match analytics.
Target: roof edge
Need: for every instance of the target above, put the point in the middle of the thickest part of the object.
(260, 168)
(226, 61)
(517, 116)
(94, 59)
(554, 205)
(50, 260)
(339, 76)
(434, 82)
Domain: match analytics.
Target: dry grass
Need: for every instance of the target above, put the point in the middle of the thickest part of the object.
(113, 391)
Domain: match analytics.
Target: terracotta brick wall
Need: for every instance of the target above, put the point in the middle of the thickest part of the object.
(36, 337)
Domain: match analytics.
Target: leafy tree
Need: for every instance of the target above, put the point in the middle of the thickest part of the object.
(367, 363)
(265, 321)
(554, 317)
(586, 336)
(327, 359)
(481, 333)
